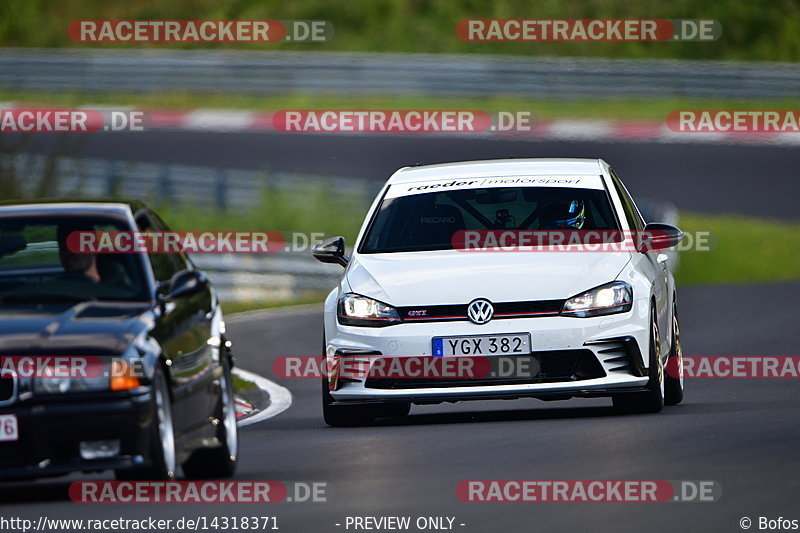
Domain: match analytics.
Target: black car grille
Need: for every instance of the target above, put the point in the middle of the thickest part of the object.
(452, 312)
(550, 367)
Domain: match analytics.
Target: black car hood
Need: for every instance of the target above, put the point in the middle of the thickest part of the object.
(85, 328)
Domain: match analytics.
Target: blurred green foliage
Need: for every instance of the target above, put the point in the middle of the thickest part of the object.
(752, 30)
(315, 206)
(745, 249)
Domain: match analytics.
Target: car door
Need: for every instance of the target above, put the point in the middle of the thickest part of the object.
(184, 330)
(653, 263)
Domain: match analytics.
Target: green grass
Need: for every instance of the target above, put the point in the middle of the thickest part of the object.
(746, 250)
(308, 297)
(543, 109)
(241, 385)
(751, 30)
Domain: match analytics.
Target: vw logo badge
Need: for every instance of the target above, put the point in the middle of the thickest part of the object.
(480, 311)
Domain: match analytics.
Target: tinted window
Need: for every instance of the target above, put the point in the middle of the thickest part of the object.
(164, 265)
(428, 221)
(180, 261)
(36, 263)
(631, 213)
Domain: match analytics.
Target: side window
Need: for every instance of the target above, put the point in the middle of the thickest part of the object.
(635, 221)
(181, 260)
(164, 265)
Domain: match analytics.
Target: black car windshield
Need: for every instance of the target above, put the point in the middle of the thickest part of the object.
(429, 221)
(37, 266)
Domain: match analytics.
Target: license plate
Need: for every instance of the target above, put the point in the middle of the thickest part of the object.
(509, 344)
(8, 428)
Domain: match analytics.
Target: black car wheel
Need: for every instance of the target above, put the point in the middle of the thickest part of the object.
(651, 400)
(219, 462)
(162, 451)
(673, 380)
(344, 415)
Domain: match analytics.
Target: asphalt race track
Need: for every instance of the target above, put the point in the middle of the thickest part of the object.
(741, 433)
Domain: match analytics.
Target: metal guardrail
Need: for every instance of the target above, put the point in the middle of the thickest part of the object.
(254, 72)
(224, 188)
(272, 277)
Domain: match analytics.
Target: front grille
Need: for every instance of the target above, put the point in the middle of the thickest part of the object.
(540, 367)
(452, 312)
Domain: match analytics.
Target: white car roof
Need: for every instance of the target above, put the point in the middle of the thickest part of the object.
(498, 168)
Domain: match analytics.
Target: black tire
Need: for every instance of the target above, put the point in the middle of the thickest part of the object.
(392, 410)
(162, 451)
(219, 462)
(651, 400)
(344, 415)
(673, 378)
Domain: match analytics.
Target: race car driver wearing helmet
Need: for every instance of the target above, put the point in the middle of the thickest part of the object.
(563, 215)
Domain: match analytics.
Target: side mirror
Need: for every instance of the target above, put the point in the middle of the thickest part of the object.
(330, 251)
(185, 283)
(658, 237)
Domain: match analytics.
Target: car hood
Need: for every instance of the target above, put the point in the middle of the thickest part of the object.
(86, 328)
(451, 277)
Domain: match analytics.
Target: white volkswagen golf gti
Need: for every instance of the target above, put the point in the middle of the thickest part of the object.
(432, 280)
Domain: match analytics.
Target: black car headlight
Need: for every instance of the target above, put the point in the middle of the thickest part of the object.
(61, 385)
(356, 310)
(608, 299)
(88, 374)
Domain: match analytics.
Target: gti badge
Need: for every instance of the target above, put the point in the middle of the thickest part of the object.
(480, 311)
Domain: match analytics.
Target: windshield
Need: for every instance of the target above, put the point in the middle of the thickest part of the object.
(37, 266)
(429, 221)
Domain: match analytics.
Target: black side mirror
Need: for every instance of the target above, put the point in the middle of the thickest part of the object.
(184, 283)
(658, 236)
(330, 251)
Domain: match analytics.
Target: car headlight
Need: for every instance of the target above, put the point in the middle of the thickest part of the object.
(608, 299)
(357, 310)
(61, 385)
(94, 374)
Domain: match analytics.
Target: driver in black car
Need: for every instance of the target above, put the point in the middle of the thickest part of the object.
(78, 267)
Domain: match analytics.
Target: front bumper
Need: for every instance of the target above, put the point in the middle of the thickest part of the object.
(50, 434)
(616, 342)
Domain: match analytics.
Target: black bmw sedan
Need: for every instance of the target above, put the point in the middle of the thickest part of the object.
(149, 325)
